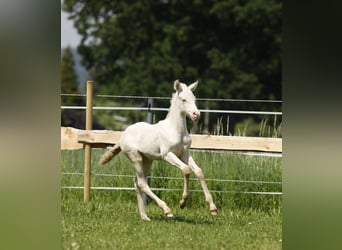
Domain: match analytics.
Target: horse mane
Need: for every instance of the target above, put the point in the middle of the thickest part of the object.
(172, 101)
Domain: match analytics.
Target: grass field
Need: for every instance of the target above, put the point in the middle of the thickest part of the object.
(111, 219)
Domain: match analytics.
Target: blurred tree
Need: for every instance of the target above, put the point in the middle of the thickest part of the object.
(140, 47)
(69, 85)
(69, 82)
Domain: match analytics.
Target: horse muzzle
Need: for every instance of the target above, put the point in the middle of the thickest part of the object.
(195, 116)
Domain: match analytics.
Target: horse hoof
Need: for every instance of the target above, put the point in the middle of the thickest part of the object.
(169, 214)
(213, 211)
(182, 205)
(145, 218)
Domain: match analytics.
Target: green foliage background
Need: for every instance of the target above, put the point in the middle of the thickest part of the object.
(232, 47)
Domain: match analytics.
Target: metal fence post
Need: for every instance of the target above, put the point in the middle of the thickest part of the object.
(150, 103)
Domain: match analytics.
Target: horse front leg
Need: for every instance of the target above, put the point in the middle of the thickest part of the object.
(144, 187)
(142, 167)
(199, 173)
(185, 194)
(175, 161)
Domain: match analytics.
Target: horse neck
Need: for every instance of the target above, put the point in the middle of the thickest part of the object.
(176, 119)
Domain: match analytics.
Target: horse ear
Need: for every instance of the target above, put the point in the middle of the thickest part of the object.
(193, 86)
(177, 85)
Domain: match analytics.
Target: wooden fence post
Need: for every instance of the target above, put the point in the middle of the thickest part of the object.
(87, 152)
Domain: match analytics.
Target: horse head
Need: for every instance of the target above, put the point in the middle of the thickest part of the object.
(186, 100)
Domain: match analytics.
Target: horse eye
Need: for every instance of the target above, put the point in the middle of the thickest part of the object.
(183, 100)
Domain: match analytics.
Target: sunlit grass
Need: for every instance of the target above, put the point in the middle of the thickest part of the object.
(110, 223)
(111, 219)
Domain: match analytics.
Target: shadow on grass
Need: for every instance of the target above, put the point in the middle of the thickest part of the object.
(184, 219)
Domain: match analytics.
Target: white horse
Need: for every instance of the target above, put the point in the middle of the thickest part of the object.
(167, 140)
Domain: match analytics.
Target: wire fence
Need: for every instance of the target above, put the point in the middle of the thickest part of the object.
(252, 112)
(169, 98)
(176, 189)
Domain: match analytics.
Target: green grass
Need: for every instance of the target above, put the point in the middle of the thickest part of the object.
(111, 219)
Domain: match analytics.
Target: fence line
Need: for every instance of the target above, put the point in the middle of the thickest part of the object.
(175, 189)
(169, 98)
(178, 178)
(251, 112)
(166, 109)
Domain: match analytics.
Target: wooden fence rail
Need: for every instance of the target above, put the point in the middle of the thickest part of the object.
(72, 138)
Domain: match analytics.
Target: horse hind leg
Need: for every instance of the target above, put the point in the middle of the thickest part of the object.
(140, 199)
(143, 186)
(142, 168)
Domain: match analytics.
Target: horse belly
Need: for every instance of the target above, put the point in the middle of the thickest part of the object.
(149, 148)
(178, 149)
(142, 137)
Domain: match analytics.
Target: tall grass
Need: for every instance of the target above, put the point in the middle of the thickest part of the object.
(261, 127)
(225, 173)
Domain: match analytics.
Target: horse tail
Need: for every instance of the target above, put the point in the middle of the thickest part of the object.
(106, 157)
